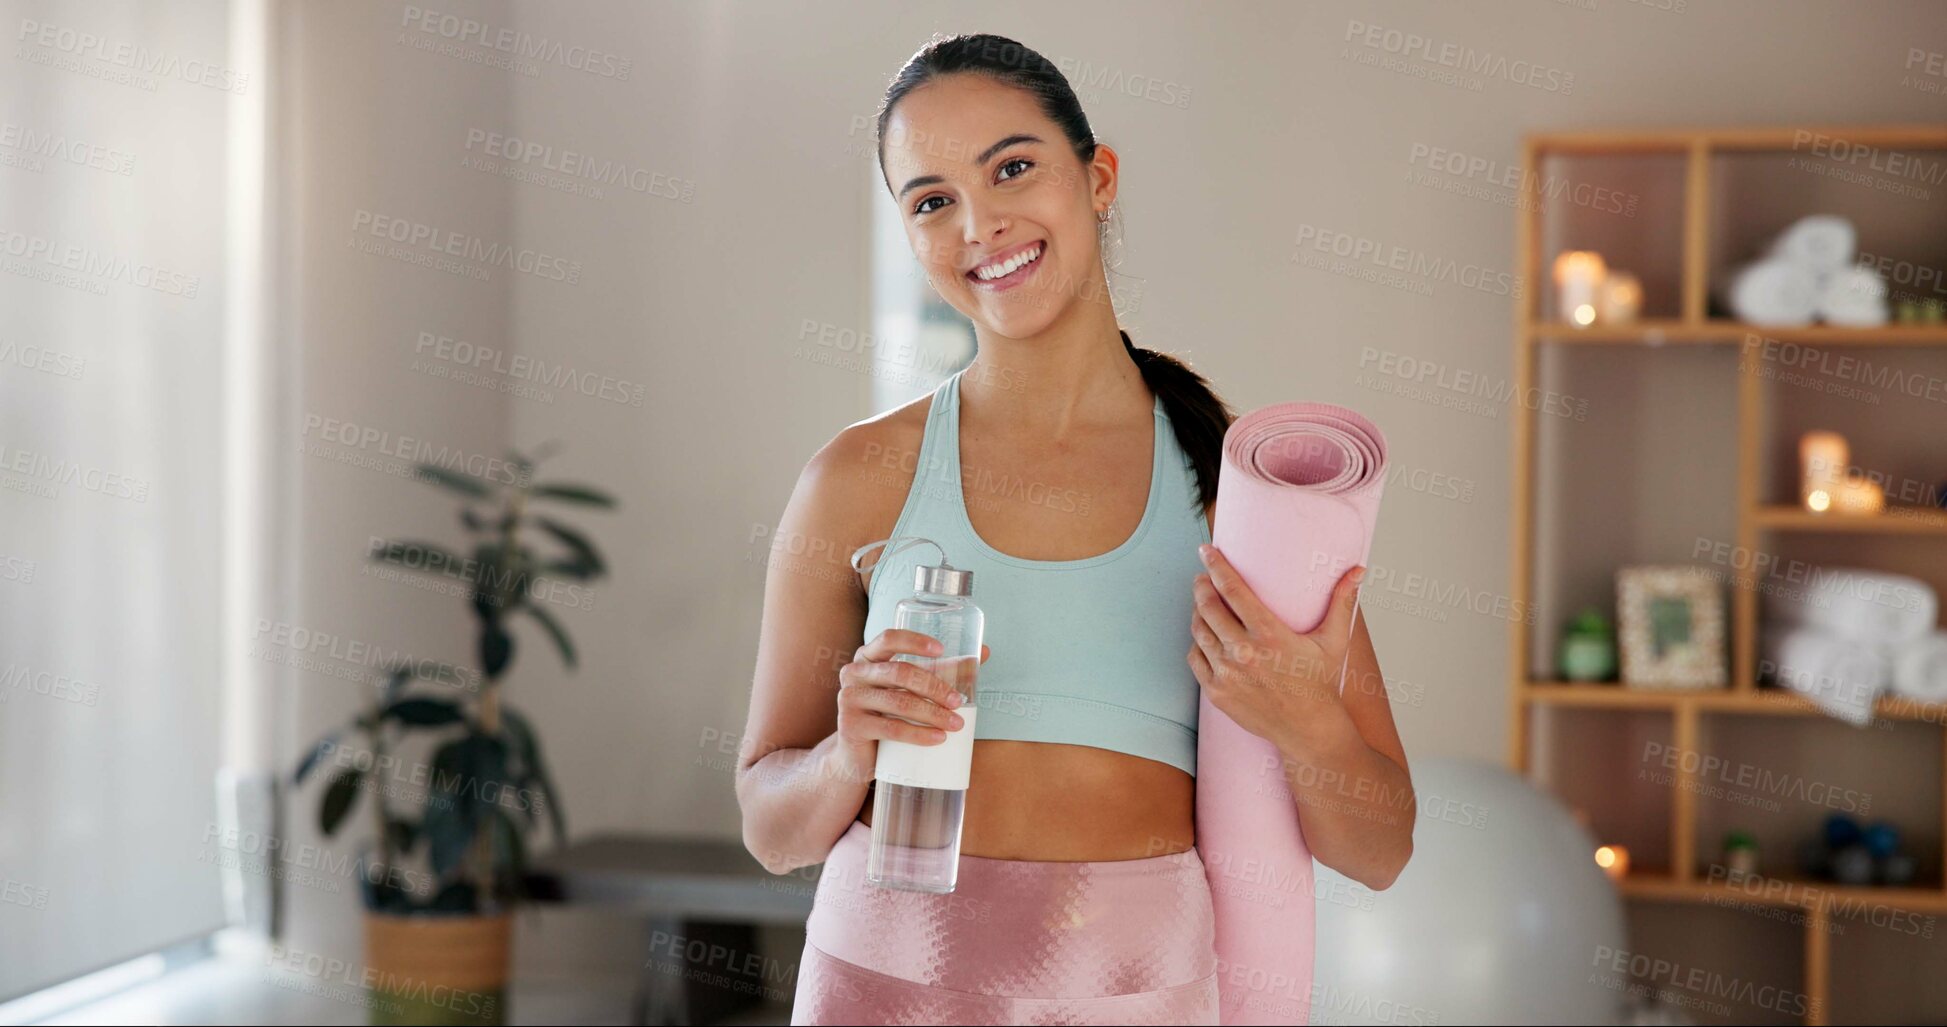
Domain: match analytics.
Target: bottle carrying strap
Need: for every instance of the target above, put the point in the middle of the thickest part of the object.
(905, 542)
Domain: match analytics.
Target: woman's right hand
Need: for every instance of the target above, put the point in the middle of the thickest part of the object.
(875, 691)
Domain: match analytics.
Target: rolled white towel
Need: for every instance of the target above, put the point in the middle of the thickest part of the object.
(1872, 607)
(1842, 677)
(1775, 292)
(1822, 242)
(1853, 296)
(1920, 668)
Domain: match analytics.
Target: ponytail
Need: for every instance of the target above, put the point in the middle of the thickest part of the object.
(1198, 415)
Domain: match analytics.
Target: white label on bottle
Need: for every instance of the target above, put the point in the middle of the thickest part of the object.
(946, 765)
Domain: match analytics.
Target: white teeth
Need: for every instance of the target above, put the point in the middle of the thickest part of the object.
(1008, 266)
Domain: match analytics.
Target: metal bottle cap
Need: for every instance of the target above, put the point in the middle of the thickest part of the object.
(943, 580)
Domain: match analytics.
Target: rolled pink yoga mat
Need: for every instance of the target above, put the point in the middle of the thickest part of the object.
(1297, 499)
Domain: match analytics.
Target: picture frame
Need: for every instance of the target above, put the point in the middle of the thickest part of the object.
(1670, 627)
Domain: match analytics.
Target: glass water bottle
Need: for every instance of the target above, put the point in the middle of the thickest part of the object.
(921, 794)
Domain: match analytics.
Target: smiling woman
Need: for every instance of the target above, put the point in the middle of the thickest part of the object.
(1081, 897)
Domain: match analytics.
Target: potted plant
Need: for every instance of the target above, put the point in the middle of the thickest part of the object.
(440, 875)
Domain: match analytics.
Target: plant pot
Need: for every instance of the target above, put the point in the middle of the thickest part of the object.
(437, 969)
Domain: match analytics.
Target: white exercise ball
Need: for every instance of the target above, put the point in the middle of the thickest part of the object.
(1501, 916)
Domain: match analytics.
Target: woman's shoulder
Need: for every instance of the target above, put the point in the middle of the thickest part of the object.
(892, 438)
(852, 489)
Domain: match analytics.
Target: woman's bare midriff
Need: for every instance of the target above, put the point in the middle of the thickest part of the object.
(1044, 801)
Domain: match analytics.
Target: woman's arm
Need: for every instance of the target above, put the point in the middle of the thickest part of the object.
(821, 702)
(1342, 757)
(798, 785)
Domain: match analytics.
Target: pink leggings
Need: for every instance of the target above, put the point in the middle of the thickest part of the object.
(1017, 942)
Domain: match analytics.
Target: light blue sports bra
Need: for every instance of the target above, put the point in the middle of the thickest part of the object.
(1087, 652)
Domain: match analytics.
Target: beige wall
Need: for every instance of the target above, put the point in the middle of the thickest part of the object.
(1284, 126)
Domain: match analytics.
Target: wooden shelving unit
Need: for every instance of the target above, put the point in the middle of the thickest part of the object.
(1680, 882)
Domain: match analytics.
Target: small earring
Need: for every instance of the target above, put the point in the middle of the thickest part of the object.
(1103, 214)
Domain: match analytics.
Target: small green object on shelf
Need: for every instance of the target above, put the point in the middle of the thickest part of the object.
(1740, 853)
(1588, 650)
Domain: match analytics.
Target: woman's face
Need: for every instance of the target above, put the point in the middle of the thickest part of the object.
(999, 210)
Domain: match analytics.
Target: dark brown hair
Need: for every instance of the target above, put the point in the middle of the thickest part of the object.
(1198, 415)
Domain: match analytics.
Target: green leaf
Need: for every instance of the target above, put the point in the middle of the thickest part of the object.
(555, 630)
(318, 752)
(424, 712)
(500, 579)
(422, 556)
(456, 897)
(582, 494)
(403, 834)
(567, 569)
(338, 800)
(448, 826)
(496, 649)
(387, 895)
(465, 484)
(527, 752)
(509, 853)
(395, 681)
(584, 551)
(434, 672)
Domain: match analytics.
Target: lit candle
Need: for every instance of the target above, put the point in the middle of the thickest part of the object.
(1857, 495)
(1578, 285)
(1822, 457)
(1614, 860)
(1622, 298)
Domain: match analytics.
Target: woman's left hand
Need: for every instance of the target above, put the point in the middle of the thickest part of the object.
(1276, 683)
